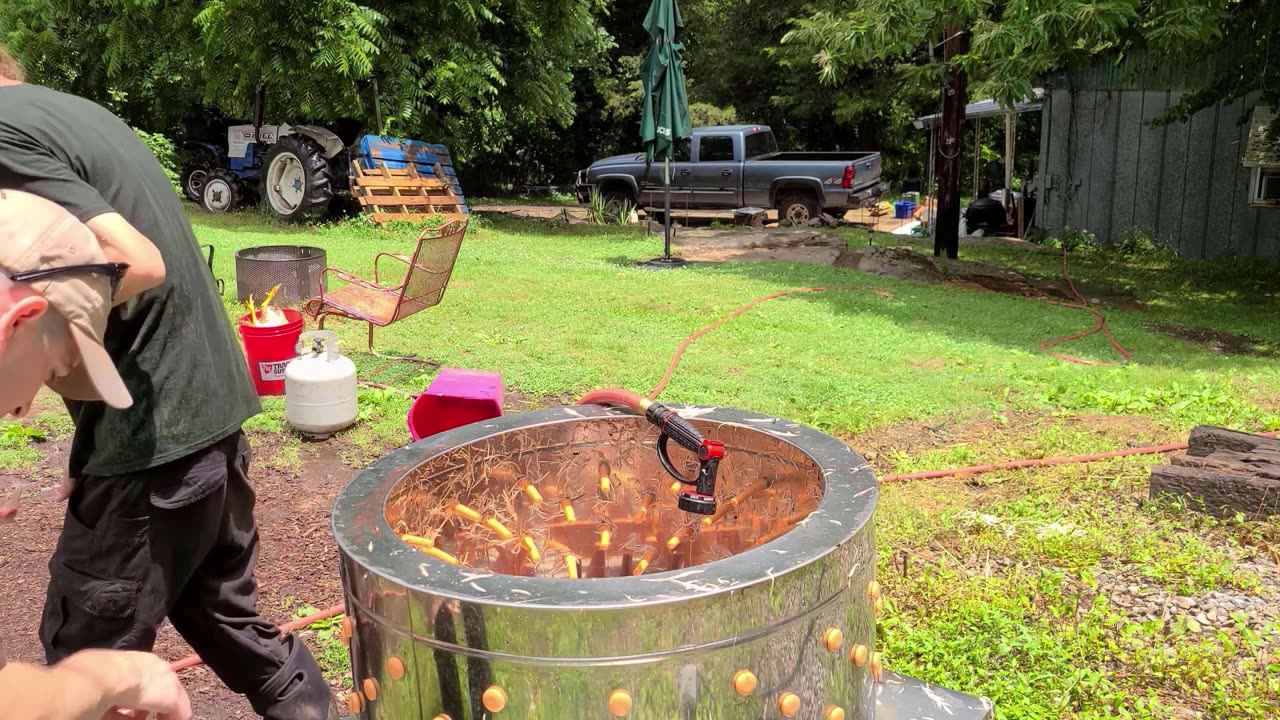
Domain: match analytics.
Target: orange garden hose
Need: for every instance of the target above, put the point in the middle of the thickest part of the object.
(1099, 326)
(193, 660)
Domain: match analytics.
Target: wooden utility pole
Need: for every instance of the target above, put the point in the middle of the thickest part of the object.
(950, 141)
(1008, 163)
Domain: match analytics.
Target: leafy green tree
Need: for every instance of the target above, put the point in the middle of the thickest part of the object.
(1013, 44)
(465, 72)
(737, 59)
(1244, 58)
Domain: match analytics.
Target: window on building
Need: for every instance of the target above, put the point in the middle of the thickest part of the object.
(1266, 187)
(1262, 155)
(717, 148)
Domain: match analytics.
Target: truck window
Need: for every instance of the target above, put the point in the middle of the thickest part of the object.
(716, 148)
(761, 143)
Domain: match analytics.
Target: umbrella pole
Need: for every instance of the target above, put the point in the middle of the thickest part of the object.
(666, 208)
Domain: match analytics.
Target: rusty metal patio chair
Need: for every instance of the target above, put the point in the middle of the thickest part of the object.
(426, 277)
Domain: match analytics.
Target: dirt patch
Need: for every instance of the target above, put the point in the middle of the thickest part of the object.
(772, 244)
(904, 263)
(1014, 431)
(1220, 342)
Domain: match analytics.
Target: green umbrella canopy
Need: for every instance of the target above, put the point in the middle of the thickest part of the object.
(666, 108)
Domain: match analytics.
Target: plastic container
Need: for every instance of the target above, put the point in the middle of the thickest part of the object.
(903, 209)
(269, 351)
(455, 398)
(320, 386)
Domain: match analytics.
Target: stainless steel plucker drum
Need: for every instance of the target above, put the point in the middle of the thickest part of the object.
(536, 567)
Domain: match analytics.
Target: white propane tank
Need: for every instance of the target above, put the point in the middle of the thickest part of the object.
(320, 386)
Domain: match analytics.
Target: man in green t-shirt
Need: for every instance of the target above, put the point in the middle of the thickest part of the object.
(159, 519)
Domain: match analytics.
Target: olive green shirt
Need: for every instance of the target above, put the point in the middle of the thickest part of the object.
(173, 345)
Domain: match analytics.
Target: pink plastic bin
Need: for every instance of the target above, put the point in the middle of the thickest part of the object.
(455, 398)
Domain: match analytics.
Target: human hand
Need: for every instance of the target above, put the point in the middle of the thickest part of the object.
(134, 685)
(156, 690)
(68, 484)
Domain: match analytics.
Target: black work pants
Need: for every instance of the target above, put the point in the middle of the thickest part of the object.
(126, 560)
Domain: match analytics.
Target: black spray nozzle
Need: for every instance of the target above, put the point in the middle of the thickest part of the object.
(701, 498)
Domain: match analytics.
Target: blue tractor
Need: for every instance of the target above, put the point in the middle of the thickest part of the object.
(302, 172)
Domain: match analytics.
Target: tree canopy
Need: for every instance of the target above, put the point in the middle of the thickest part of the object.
(468, 70)
(1013, 43)
(527, 91)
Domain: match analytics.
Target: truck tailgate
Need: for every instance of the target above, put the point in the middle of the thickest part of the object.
(866, 171)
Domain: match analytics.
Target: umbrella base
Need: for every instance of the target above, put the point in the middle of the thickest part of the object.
(664, 263)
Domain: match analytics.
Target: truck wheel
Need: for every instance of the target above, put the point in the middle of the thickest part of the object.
(220, 192)
(797, 209)
(296, 181)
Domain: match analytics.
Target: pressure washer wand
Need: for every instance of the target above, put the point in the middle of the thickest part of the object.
(700, 498)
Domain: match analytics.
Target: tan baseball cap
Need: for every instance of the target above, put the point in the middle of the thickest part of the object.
(36, 234)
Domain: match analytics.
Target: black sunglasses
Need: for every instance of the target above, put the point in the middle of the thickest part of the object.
(114, 272)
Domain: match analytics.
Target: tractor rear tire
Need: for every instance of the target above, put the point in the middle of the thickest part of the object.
(195, 170)
(222, 192)
(296, 181)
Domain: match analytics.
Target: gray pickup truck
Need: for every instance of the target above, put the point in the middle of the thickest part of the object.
(734, 166)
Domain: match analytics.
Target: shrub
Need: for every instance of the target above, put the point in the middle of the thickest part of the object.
(1138, 243)
(166, 154)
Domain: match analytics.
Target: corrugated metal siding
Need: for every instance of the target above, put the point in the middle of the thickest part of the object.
(1140, 71)
(1104, 170)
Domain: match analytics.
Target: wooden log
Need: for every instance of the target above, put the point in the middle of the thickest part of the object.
(1265, 465)
(1206, 439)
(1217, 492)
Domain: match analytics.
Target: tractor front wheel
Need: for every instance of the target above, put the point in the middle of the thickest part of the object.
(296, 181)
(220, 192)
(195, 170)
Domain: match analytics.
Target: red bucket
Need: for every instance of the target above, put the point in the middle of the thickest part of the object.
(270, 350)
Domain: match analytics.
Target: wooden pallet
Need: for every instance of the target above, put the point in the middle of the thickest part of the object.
(404, 194)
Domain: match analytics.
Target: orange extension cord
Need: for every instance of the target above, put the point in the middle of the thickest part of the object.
(633, 400)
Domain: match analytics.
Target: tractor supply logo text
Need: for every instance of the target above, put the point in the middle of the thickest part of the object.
(272, 371)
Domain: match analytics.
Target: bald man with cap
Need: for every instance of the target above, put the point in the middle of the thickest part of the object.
(55, 294)
(159, 519)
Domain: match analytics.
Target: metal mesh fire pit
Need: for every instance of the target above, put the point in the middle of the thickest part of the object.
(297, 269)
(536, 567)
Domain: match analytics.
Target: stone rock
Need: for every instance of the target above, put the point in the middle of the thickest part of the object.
(1184, 603)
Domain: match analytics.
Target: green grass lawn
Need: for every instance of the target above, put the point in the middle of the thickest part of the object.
(999, 584)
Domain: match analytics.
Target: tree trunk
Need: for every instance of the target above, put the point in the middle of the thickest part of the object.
(950, 141)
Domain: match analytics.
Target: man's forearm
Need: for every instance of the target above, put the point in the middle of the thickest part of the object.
(121, 242)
